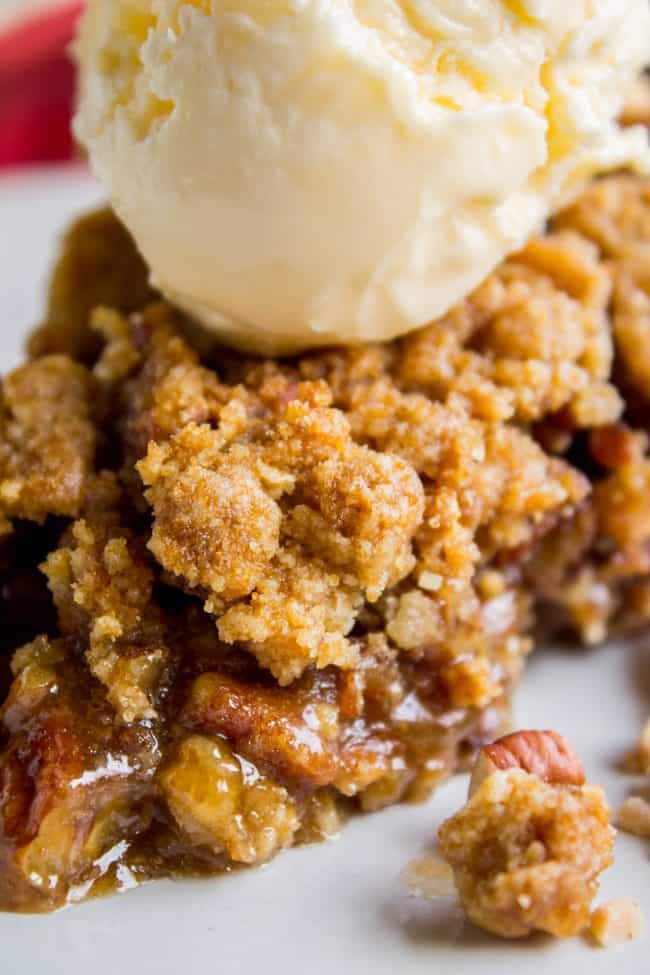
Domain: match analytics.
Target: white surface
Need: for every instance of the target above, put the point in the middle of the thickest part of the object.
(338, 907)
(34, 210)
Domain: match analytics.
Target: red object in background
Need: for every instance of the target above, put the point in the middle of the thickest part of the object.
(37, 83)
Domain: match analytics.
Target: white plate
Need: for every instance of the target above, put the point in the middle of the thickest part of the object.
(337, 907)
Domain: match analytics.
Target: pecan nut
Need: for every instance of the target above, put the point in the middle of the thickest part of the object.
(545, 754)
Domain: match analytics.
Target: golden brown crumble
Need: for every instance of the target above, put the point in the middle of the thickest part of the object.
(528, 847)
(47, 439)
(532, 340)
(615, 214)
(102, 588)
(287, 589)
(296, 522)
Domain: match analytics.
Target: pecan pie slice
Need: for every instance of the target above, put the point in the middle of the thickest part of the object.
(246, 597)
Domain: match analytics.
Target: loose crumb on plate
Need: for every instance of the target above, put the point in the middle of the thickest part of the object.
(527, 849)
(634, 816)
(616, 922)
(429, 876)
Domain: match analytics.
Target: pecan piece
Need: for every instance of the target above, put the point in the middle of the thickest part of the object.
(545, 754)
(292, 738)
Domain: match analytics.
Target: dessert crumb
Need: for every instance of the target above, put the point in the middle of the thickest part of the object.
(528, 847)
(429, 876)
(616, 922)
(634, 816)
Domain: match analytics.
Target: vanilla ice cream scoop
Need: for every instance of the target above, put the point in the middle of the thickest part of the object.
(304, 172)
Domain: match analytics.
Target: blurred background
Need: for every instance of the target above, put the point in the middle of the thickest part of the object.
(36, 80)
